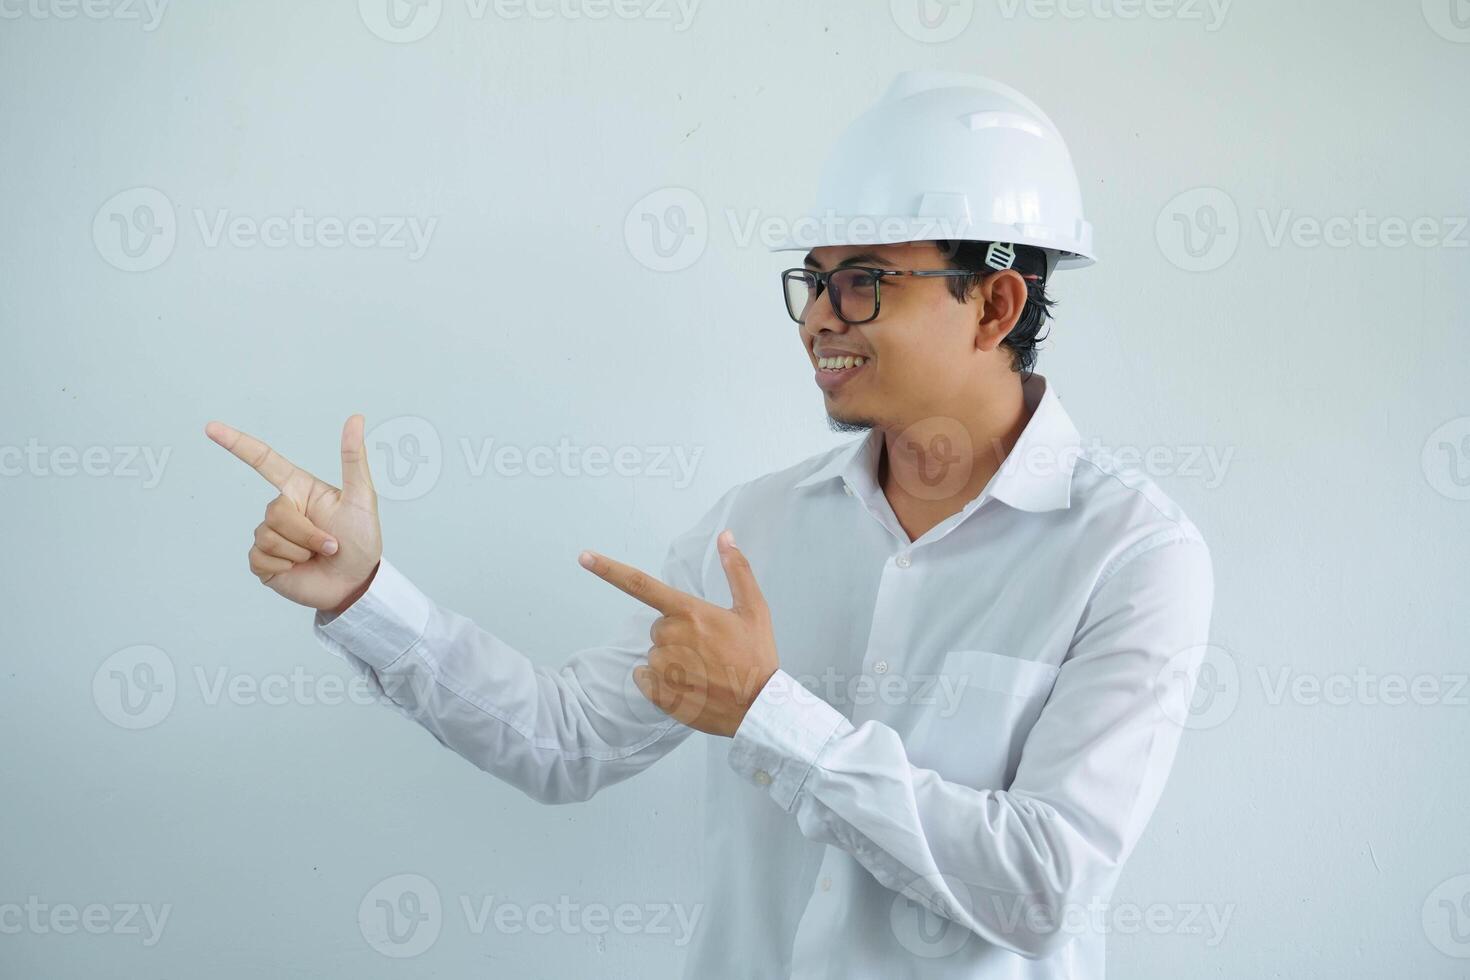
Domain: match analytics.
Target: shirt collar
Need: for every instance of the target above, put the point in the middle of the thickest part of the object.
(1035, 476)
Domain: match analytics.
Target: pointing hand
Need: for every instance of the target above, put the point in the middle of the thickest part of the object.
(318, 546)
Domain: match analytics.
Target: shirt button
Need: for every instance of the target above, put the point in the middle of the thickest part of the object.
(847, 489)
(763, 777)
(903, 561)
(826, 884)
(881, 667)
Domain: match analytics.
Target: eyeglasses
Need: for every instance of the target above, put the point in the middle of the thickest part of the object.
(855, 290)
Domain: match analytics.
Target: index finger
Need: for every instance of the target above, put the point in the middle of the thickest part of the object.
(262, 458)
(638, 584)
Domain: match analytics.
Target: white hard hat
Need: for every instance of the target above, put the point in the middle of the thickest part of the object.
(948, 155)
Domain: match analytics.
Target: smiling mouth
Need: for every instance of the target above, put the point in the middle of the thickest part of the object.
(833, 372)
(840, 363)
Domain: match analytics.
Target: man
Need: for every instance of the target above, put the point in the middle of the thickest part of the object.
(941, 668)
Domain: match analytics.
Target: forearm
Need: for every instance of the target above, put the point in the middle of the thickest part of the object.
(557, 735)
(977, 857)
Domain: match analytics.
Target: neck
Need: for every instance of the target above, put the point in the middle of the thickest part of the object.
(932, 467)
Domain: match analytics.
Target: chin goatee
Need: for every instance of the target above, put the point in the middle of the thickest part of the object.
(846, 425)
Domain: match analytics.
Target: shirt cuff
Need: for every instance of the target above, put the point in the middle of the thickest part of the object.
(384, 623)
(782, 735)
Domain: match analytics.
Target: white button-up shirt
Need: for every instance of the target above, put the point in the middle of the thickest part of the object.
(965, 739)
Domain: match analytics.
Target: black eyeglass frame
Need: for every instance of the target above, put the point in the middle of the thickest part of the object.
(824, 281)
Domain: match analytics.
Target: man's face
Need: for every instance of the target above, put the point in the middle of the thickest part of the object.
(920, 351)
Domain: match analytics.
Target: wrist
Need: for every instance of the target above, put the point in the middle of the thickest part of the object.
(751, 694)
(356, 593)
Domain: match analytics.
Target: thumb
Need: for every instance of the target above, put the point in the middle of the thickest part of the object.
(743, 588)
(357, 479)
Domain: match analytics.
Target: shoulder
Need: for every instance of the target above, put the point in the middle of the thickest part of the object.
(777, 485)
(760, 503)
(1118, 500)
(809, 471)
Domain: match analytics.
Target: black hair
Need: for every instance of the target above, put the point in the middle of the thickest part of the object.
(1023, 338)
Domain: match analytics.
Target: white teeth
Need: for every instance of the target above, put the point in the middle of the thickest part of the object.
(839, 363)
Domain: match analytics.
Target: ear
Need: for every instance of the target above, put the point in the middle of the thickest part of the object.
(1002, 300)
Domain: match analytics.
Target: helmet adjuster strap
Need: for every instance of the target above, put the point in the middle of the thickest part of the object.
(1000, 256)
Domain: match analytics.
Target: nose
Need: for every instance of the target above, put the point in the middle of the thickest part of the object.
(820, 316)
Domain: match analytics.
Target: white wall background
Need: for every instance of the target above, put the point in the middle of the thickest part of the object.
(1332, 835)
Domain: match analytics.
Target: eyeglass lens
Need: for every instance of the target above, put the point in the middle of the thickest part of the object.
(854, 294)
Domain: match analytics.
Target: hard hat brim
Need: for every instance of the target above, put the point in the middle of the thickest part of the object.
(823, 231)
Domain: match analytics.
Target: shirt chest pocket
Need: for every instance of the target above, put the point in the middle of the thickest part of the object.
(984, 708)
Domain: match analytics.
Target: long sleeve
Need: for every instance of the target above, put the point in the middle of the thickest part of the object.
(559, 735)
(1009, 864)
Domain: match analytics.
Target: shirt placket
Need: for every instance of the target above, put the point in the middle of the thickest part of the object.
(898, 596)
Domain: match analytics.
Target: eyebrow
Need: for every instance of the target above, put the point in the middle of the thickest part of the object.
(862, 258)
